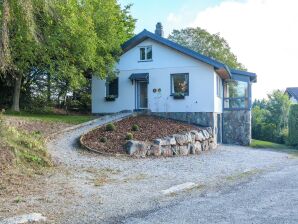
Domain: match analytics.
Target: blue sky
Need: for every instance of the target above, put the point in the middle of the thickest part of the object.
(149, 12)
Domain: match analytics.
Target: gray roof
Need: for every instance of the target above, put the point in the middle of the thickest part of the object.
(293, 91)
(145, 34)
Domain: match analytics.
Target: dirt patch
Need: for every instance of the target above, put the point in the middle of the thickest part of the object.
(150, 128)
(44, 128)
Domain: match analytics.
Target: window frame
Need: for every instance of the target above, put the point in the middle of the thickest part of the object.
(219, 87)
(247, 99)
(108, 87)
(172, 84)
(146, 53)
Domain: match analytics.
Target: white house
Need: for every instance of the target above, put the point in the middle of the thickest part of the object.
(161, 77)
(293, 94)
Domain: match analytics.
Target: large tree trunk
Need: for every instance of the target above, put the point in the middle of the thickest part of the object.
(17, 93)
(4, 42)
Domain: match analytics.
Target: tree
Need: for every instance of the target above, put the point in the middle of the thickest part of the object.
(63, 40)
(270, 116)
(211, 45)
(278, 105)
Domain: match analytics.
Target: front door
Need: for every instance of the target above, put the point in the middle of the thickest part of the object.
(142, 95)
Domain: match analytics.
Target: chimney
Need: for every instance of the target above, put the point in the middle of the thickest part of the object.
(159, 29)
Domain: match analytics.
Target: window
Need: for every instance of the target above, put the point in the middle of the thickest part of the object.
(236, 95)
(180, 84)
(218, 86)
(146, 53)
(112, 87)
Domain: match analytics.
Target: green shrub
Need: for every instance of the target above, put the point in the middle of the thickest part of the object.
(110, 127)
(129, 136)
(135, 128)
(103, 139)
(293, 125)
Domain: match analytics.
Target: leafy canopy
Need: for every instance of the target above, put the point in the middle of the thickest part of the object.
(210, 45)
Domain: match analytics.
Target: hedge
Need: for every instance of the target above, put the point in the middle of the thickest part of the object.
(293, 125)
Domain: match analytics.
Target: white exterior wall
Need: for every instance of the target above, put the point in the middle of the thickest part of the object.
(202, 83)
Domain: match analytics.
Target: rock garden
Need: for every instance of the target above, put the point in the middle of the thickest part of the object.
(142, 136)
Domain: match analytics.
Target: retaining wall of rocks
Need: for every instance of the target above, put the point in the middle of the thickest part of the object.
(193, 142)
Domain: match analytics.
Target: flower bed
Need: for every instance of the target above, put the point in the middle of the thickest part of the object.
(148, 136)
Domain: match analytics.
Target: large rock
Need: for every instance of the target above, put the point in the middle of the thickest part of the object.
(195, 148)
(200, 137)
(205, 145)
(210, 131)
(206, 134)
(167, 151)
(183, 150)
(182, 139)
(155, 150)
(136, 148)
(165, 141)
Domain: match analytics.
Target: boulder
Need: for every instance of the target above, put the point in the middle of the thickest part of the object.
(155, 150)
(200, 137)
(167, 151)
(165, 141)
(183, 149)
(181, 139)
(136, 148)
(194, 135)
(206, 134)
(205, 145)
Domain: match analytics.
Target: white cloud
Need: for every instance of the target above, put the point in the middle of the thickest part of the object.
(264, 36)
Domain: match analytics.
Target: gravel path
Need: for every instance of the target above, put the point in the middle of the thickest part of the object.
(90, 188)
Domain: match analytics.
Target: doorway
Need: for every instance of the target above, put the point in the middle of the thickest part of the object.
(142, 95)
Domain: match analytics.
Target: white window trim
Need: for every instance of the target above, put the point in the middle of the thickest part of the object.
(145, 60)
(219, 87)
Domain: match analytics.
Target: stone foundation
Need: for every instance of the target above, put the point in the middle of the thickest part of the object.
(201, 119)
(237, 127)
(193, 142)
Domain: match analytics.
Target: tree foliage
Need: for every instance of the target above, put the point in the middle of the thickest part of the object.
(270, 116)
(61, 42)
(293, 125)
(211, 45)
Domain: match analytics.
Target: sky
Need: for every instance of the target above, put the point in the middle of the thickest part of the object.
(262, 33)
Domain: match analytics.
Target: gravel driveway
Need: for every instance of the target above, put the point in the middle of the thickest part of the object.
(90, 188)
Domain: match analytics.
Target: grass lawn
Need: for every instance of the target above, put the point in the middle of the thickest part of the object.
(270, 145)
(69, 119)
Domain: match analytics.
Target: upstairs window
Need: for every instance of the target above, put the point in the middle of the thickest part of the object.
(180, 84)
(112, 87)
(146, 53)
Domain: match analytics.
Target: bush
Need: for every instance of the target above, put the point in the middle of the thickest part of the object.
(293, 125)
(103, 139)
(135, 128)
(129, 136)
(110, 127)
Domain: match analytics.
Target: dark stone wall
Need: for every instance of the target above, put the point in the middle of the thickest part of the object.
(237, 127)
(203, 119)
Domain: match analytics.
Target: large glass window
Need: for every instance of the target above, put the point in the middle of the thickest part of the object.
(112, 88)
(146, 53)
(236, 94)
(180, 84)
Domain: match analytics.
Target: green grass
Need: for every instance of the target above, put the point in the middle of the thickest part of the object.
(69, 119)
(267, 145)
(292, 152)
